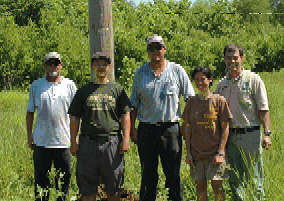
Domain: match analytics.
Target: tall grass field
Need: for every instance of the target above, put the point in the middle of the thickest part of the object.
(17, 172)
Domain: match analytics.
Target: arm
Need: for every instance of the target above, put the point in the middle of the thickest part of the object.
(220, 156)
(74, 131)
(224, 137)
(29, 122)
(265, 121)
(133, 116)
(125, 125)
(186, 132)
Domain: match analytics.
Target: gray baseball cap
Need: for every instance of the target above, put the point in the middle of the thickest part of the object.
(155, 39)
(101, 56)
(52, 55)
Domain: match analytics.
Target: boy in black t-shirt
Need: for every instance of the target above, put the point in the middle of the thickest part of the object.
(104, 108)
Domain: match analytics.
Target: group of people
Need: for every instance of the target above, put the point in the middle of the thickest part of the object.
(221, 129)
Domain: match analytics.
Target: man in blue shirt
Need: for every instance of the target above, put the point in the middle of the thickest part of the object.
(156, 89)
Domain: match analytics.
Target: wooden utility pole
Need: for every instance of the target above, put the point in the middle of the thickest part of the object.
(101, 31)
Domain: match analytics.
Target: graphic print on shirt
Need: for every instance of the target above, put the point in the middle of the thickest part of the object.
(102, 104)
(210, 117)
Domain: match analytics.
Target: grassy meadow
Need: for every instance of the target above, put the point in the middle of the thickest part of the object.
(16, 172)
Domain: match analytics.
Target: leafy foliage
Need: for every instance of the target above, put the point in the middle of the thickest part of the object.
(191, 39)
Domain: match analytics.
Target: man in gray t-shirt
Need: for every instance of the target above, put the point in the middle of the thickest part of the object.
(156, 89)
(50, 141)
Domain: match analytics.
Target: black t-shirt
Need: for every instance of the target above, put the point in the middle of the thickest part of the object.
(100, 106)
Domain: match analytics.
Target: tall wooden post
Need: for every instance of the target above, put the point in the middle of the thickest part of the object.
(101, 31)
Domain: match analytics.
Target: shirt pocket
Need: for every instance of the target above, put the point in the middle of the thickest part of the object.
(245, 97)
(171, 89)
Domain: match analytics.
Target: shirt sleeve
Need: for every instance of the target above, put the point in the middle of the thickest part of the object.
(31, 102)
(260, 94)
(73, 91)
(186, 86)
(134, 98)
(76, 106)
(124, 104)
(224, 111)
(217, 90)
(186, 118)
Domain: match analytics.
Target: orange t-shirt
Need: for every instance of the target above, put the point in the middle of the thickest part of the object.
(205, 117)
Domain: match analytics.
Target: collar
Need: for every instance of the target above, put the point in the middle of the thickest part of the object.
(54, 83)
(153, 71)
(234, 79)
(208, 97)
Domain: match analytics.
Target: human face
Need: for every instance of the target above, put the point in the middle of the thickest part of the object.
(202, 82)
(233, 61)
(156, 52)
(53, 67)
(101, 68)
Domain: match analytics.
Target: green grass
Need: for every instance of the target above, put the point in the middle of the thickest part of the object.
(16, 172)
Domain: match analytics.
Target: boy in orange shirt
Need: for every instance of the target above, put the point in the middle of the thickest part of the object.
(206, 128)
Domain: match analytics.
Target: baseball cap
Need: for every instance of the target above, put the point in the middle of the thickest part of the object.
(101, 56)
(155, 39)
(52, 55)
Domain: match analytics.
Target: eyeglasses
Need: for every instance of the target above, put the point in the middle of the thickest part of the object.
(153, 48)
(55, 63)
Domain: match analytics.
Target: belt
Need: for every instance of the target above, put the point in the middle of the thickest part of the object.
(159, 123)
(244, 130)
(98, 138)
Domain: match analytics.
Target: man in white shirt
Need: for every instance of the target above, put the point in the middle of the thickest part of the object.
(50, 141)
(246, 94)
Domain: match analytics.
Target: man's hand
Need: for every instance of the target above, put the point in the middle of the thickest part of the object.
(218, 159)
(133, 135)
(31, 143)
(124, 146)
(75, 147)
(189, 160)
(266, 142)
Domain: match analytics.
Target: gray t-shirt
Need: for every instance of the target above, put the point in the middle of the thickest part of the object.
(157, 97)
(52, 100)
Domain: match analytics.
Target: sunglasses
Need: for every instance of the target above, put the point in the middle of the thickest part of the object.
(153, 48)
(55, 63)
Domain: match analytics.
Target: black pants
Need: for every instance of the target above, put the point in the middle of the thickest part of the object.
(166, 141)
(43, 158)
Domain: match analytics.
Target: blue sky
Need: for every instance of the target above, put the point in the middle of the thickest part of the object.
(138, 1)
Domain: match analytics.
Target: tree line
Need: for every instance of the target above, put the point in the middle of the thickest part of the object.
(195, 34)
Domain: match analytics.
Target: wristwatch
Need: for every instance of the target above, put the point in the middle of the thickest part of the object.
(267, 133)
(221, 153)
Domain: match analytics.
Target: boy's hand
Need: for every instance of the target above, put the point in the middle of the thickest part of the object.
(218, 159)
(124, 146)
(189, 160)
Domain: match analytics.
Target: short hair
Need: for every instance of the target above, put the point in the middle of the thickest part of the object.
(233, 48)
(203, 69)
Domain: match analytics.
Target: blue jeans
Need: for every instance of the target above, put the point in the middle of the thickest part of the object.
(244, 154)
(165, 141)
